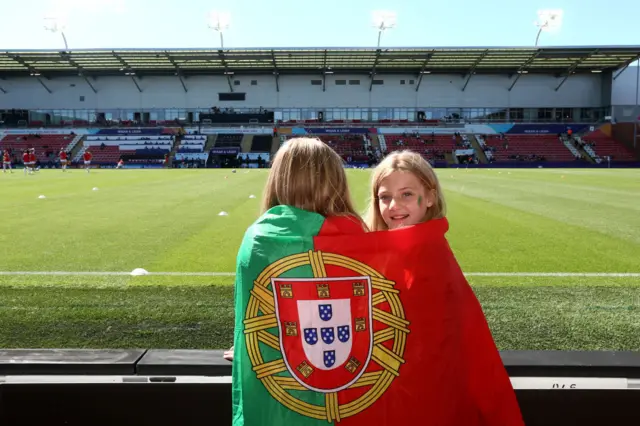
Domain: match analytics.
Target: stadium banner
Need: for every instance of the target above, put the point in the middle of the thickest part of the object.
(31, 131)
(229, 150)
(138, 131)
(546, 129)
(231, 130)
(254, 155)
(465, 152)
(329, 130)
(191, 156)
(468, 128)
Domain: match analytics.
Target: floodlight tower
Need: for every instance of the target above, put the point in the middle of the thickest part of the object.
(57, 24)
(220, 21)
(548, 20)
(383, 20)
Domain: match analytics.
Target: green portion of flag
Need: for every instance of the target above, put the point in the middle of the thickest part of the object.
(280, 232)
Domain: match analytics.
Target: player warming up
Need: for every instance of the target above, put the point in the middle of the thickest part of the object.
(120, 164)
(87, 160)
(6, 162)
(33, 161)
(63, 159)
(25, 161)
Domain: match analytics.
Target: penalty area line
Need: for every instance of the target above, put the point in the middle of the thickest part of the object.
(232, 274)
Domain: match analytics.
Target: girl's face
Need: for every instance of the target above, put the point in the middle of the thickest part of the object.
(403, 200)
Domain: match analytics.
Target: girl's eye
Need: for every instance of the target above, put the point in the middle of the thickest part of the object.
(407, 194)
(384, 198)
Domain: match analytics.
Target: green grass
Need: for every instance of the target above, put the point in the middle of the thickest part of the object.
(167, 220)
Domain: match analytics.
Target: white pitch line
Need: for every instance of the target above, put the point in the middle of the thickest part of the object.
(232, 274)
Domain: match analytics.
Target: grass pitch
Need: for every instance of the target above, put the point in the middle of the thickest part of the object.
(506, 221)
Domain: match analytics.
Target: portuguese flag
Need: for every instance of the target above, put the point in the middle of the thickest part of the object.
(335, 325)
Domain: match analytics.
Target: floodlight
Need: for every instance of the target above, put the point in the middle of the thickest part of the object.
(549, 20)
(383, 20)
(220, 22)
(57, 23)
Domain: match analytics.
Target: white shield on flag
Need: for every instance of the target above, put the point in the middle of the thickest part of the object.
(327, 351)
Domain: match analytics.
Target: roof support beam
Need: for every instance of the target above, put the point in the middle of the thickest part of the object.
(89, 83)
(184, 86)
(2, 90)
(67, 57)
(44, 85)
(229, 81)
(226, 68)
(422, 70)
(573, 68)
(178, 70)
(521, 70)
(626, 65)
(276, 73)
(136, 83)
(324, 72)
(473, 68)
(122, 61)
(373, 70)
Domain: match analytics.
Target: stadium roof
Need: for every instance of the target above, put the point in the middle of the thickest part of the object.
(184, 62)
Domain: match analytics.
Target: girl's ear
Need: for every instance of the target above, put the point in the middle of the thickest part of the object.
(430, 198)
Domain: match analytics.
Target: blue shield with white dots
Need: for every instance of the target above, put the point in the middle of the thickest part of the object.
(328, 335)
(326, 312)
(329, 358)
(343, 333)
(311, 335)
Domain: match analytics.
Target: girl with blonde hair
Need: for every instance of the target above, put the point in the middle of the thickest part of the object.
(404, 191)
(306, 185)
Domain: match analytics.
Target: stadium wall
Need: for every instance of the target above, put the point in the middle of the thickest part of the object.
(623, 96)
(296, 91)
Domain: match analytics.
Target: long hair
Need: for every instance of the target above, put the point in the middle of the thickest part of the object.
(309, 175)
(406, 161)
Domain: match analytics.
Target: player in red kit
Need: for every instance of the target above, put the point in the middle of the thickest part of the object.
(63, 159)
(87, 160)
(25, 160)
(33, 160)
(6, 162)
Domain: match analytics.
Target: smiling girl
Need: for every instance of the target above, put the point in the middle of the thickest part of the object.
(405, 192)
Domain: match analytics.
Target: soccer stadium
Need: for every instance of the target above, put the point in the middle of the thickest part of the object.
(131, 175)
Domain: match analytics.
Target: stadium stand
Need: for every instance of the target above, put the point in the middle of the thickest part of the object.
(604, 146)
(527, 148)
(432, 147)
(192, 144)
(261, 143)
(135, 149)
(229, 140)
(47, 146)
(350, 147)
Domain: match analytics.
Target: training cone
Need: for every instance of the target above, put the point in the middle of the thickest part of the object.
(42, 197)
(223, 214)
(139, 271)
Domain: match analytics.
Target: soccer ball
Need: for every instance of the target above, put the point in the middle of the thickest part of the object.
(233, 171)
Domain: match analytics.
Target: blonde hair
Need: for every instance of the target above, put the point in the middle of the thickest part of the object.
(307, 174)
(405, 161)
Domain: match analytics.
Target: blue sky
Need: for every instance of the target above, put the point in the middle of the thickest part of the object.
(332, 23)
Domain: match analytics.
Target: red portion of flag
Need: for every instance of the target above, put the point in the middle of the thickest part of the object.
(450, 371)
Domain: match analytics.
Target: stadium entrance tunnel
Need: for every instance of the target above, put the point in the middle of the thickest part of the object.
(193, 387)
